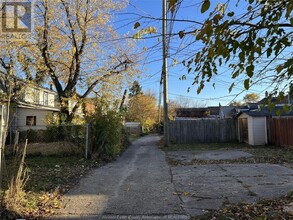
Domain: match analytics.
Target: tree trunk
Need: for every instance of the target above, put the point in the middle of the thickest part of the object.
(64, 111)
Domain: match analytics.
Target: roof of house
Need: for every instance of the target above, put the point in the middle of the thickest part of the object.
(37, 107)
(266, 112)
(198, 112)
(228, 111)
(191, 112)
(249, 106)
(214, 110)
(275, 100)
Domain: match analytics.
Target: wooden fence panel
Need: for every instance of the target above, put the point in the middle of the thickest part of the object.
(280, 131)
(202, 131)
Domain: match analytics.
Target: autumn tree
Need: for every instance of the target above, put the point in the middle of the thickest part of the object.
(143, 108)
(77, 52)
(235, 103)
(8, 65)
(172, 106)
(252, 38)
(251, 98)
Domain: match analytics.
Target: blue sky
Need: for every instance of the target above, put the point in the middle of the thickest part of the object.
(147, 12)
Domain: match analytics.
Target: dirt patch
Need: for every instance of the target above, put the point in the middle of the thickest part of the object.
(61, 148)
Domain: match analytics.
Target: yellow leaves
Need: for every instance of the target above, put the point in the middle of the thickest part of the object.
(142, 32)
(221, 8)
(74, 51)
(143, 109)
(175, 62)
(186, 193)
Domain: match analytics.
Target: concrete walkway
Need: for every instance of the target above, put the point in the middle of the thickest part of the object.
(138, 183)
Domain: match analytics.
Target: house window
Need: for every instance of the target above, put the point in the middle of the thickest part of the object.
(37, 96)
(31, 120)
(46, 98)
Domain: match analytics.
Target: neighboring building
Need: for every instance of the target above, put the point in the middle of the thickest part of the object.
(286, 100)
(133, 128)
(35, 107)
(197, 113)
(227, 112)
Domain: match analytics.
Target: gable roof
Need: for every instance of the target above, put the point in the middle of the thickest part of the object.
(266, 112)
(275, 100)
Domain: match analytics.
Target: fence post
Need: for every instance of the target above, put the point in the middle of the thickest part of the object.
(87, 140)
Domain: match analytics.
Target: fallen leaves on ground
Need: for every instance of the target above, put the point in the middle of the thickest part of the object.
(263, 210)
(273, 209)
(47, 174)
(33, 206)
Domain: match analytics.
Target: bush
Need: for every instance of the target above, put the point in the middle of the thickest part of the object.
(32, 135)
(108, 133)
(55, 133)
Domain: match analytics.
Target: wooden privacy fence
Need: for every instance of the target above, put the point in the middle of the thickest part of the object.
(280, 131)
(202, 131)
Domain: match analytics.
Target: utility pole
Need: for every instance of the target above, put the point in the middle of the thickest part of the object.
(165, 75)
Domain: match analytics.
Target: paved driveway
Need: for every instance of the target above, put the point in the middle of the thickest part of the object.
(137, 184)
(141, 185)
(207, 187)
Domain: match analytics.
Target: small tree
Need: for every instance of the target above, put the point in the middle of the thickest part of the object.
(135, 89)
(143, 109)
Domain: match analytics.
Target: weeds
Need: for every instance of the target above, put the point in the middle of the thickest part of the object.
(14, 196)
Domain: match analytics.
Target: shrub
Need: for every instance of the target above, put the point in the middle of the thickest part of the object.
(32, 135)
(108, 134)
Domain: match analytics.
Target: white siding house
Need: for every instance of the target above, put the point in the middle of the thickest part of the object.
(252, 128)
(39, 96)
(34, 107)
